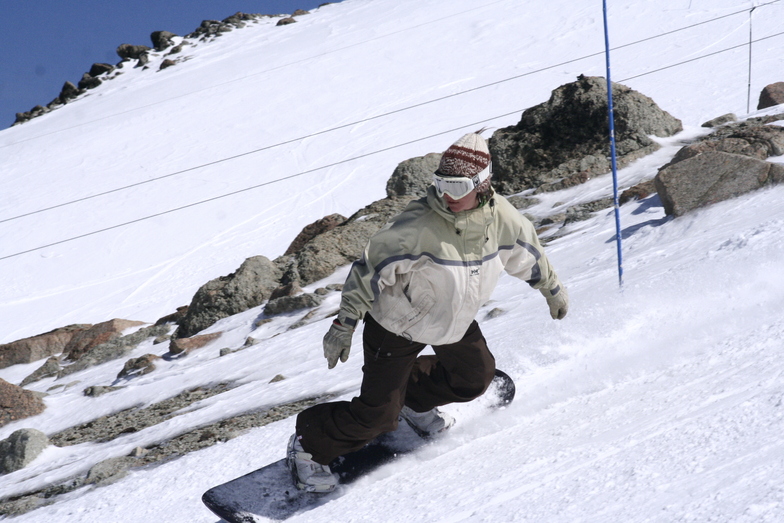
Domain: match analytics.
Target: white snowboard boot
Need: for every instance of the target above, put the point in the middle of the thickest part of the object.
(428, 423)
(307, 474)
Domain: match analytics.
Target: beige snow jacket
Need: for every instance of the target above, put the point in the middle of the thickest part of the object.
(427, 272)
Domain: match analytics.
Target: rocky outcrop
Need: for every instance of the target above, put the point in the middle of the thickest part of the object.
(412, 177)
(320, 226)
(564, 141)
(115, 348)
(131, 52)
(711, 177)
(771, 95)
(175, 317)
(20, 449)
(47, 370)
(109, 470)
(100, 68)
(96, 335)
(17, 403)
(162, 39)
(138, 366)
(721, 120)
(38, 347)
(292, 303)
(722, 165)
(214, 28)
(340, 246)
(638, 192)
(186, 345)
(750, 138)
(222, 297)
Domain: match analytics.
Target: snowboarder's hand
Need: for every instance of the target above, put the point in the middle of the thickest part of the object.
(558, 303)
(337, 343)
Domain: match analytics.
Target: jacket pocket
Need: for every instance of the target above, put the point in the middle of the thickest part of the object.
(405, 317)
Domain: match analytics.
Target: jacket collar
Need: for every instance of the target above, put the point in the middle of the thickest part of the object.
(438, 204)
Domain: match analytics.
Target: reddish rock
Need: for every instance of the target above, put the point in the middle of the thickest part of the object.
(38, 347)
(17, 403)
(773, 94)
(638, 192)
(186, 345)
(96, 335)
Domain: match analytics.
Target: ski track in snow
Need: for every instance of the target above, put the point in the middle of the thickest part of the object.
(663, 402)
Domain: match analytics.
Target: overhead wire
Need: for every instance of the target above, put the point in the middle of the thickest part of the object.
(396, 111)
(388, 113)
(246, 189)
(233, 193)
(702, 57)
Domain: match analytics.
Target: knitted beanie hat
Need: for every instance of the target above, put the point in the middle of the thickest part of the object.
(466, 157)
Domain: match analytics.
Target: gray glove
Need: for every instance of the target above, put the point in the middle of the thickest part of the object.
(337, 343)
(558, 303)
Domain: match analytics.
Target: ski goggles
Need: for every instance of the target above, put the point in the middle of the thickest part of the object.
(459, 186)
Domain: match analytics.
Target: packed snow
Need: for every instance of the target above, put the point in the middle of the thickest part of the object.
(663, 401)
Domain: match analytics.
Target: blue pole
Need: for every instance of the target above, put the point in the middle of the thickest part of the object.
(611, 113)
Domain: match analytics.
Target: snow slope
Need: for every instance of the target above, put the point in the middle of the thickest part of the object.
(659, 403)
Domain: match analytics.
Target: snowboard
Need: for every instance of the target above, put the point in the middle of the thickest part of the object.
(269, 492)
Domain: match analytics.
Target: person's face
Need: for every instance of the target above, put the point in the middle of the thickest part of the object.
(466, 203)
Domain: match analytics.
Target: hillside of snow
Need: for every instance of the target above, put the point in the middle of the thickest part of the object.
(661, 402)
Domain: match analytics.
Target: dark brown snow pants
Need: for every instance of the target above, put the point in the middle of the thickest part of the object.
(394, 375)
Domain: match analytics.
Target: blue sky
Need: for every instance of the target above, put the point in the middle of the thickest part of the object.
(45, 43)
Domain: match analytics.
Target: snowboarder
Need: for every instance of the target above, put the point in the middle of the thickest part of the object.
(421, 281)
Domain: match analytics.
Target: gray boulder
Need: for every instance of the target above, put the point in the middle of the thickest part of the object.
(109, 470)
(711, 177)
(47, 370)
(771, 95)
(721, 120)
(89, 82)
(144, 59)
(222, 297)
(68, 92)
(724, 164)
(162, 39)
(131, 52)
(100, 68)
(312, 230)
(20, 449)
(564, 141)
(750, 138)
(292, 303)
(138, 366)
(412, 177)
(213, 28)
(340, 246)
